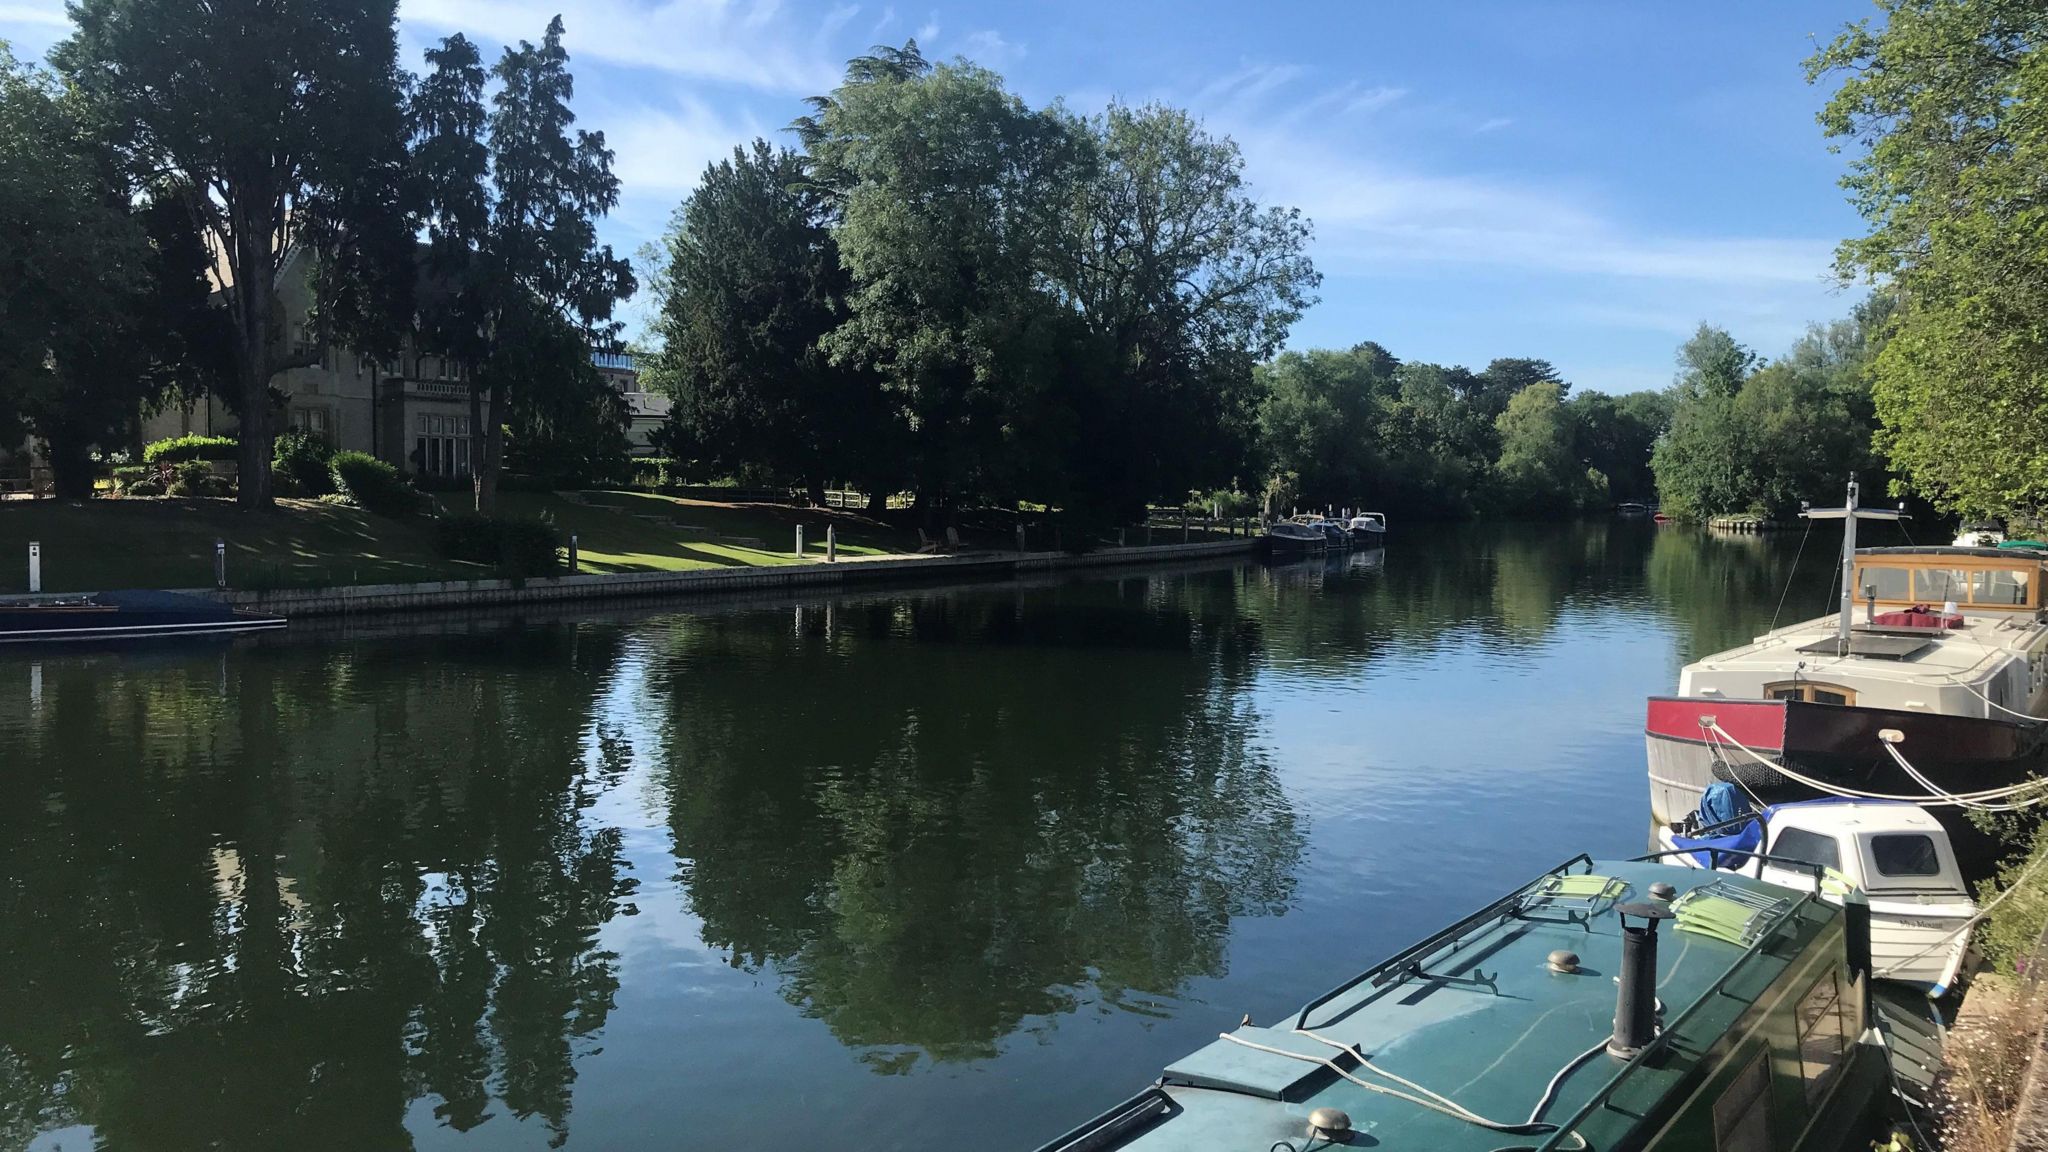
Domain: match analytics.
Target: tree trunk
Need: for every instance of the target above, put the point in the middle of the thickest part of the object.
(71, 470)
(878, 500)
(814, 490)
(494, 448)
(252, 367)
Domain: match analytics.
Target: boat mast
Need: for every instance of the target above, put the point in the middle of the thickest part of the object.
(1849, 514)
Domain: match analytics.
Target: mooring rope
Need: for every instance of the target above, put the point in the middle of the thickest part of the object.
(1939, 799)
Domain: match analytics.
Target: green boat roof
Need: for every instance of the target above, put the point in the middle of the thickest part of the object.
(1476, 1015)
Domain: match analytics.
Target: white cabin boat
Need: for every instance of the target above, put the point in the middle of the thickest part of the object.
(1921, 911)
(1367, 529)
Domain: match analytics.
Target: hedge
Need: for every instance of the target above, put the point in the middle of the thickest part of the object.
(515, 545)
(179, 449)
(370, 484)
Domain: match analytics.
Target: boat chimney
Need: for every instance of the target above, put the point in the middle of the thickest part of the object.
(1635, 1005)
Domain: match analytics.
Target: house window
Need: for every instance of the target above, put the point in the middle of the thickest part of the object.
(313, 421)
(1810, 691)
(441, 445)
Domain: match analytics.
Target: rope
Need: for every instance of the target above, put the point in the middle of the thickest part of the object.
(1435, 1102)
(1924, 782)
(1939, 799)
(1794, 571)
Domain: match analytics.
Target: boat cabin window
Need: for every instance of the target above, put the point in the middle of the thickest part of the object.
(1891, 583)
(1822, 1038)
(1998, 586)
(1905, 854)
(1808, 848)
(1936, 585)
(1813, 692)
(1742, 1116)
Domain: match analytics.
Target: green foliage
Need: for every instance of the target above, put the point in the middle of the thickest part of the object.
(304, 458)
(511, 193)
(1538, 470)
(192, 446)
(196, 478)
(655, 473)
(371, 484)
(1614, 436)
(142, 487)
(1945, 105)
(1794, 429)
(269, 129)
(515, 545)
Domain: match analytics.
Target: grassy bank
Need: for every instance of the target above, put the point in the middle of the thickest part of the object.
(106, 544)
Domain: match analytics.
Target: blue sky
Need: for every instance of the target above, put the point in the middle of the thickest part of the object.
(1580, 182)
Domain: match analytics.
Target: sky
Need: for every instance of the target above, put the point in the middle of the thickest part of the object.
(1585, 183)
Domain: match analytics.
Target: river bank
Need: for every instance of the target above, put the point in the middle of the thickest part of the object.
(436, 595)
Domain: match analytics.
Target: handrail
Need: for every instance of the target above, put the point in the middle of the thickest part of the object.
(1117, 1121)
(1598, 1099)
(1819, 870)
(1430, 943)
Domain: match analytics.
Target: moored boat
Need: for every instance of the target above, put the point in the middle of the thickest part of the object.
(1551, 1019)
(1895, 853)
(1936, 692)
(135, 615)
(1286, 539)
(1367, 529)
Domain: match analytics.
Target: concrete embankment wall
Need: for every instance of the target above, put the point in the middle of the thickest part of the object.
(446, 594)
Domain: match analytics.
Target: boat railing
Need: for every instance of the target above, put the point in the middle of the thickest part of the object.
(1119, 1121)
(1406, 961)
(1602, 1096)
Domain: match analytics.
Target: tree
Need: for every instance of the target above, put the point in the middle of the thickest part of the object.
(511, 199)
(276, 127)
(1946, 104)
(1537, 469)
(947, 193)
(1711, 363)
(83, 351)
(753, 284)
(1614, 435)
(1320, 419)
(1183, 282)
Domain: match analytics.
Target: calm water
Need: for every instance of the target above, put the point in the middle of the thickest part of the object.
(902, 868)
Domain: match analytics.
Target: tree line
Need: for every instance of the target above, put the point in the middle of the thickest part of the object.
(181, 158)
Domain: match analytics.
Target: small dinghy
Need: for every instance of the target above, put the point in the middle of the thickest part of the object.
(122, 616)
(1920, 910)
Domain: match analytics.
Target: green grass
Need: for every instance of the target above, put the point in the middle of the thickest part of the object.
(106, 544)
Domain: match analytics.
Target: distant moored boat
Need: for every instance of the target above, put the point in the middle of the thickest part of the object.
(121, 616)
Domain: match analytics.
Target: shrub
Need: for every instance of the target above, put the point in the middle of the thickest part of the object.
(304, 458)
(143, 487)
(192, 478)
(179, 449)
(654, 473)
(370, 484)
(515, 545)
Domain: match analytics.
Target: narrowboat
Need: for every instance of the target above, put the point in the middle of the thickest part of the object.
(1928, 683)
(136, 615)
(1610, 1005)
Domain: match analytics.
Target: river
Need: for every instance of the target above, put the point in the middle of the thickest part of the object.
(900, 869)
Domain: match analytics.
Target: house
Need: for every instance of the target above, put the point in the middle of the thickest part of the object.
(413, 412)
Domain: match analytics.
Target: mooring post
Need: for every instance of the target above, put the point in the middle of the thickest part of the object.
(831, 543)
(1020, 535)
(220, 563)
(35, 566)
(572, 553)
(1183, 524)
(1120, 537)
(799, 541)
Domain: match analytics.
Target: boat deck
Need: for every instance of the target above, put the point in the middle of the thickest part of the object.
(1480, 1018)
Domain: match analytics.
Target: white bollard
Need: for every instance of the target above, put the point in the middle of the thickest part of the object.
(220, 563)
(799, 541)
(831, 543)
(35, 566)
(572, 553)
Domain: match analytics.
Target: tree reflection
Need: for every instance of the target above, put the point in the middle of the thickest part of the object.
(935, 845)
(310, 887)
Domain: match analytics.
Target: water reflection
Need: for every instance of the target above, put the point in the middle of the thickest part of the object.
(1054, 798)
(267, 899)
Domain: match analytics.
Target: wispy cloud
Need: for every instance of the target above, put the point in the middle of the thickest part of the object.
(1494, 124)
(44, 15)
(929, 30)
(751, 44)
(991, 48)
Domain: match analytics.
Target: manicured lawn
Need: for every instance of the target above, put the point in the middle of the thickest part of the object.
(105, 544)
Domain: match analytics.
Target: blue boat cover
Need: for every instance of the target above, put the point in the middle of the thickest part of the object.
(1723, 804)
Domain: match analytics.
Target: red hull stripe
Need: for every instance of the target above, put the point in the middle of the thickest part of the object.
(1757, 723)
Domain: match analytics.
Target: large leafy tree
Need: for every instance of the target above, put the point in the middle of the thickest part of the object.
(1614, 435)
(511, 194)
(1944, 103)
(753, 284)
(1319, 424)
(948, 193)
(1183, 282)
(103, 300)
(1538, 469)
(276, 126)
